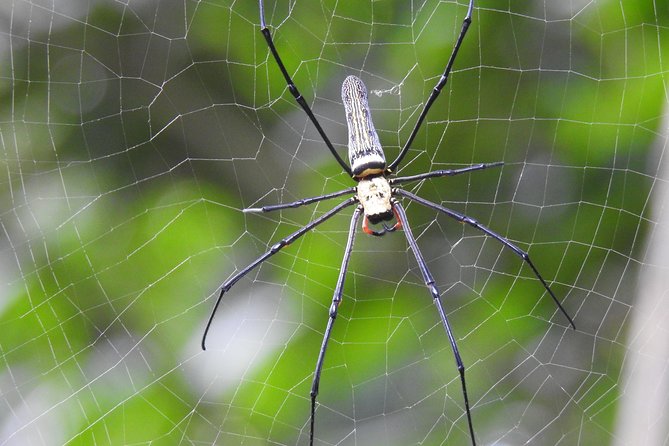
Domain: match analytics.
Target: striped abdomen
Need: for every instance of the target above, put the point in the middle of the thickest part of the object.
(364, 149)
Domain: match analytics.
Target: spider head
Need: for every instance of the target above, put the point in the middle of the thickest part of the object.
(374, 195)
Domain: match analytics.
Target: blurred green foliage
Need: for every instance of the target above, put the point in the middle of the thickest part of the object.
(133, 135)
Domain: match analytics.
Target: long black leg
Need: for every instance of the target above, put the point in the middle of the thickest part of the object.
(336, 300)
(437, 89)
(470, 221)
(429, 281)
(273, 250)
(295, 92)
(445, 173)
(302, 202)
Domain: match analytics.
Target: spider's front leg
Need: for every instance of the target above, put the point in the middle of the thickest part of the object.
(430, 283)
(336, 300)
(475, 224)
(273, 250)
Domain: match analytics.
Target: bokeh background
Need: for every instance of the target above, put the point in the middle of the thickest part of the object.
(133, 133)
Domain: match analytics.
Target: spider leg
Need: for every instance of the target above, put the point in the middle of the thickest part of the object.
(471, 222)
(302, 202)
(295, 92)
(429, 282)
(336, 300)
(437, 89)
(445, 173)
(273, 250)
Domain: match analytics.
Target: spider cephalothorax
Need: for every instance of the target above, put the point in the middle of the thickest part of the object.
(376, 196)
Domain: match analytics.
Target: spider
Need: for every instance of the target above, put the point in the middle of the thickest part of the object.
(376, 196)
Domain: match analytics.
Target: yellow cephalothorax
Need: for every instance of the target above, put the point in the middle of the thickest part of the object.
(374, 195)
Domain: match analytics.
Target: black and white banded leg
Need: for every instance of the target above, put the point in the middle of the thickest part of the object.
(295, 92)
(429, 282)
(273, 250)
(302, 202)
(336, 300)
(437, 88)
(471, 222)
(445, 173)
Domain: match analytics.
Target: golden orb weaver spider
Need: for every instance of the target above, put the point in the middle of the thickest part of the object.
(375, 195)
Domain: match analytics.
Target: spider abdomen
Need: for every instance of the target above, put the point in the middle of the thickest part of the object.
(364, 149)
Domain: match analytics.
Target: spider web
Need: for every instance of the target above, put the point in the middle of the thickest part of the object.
(132, 134)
